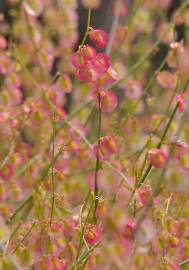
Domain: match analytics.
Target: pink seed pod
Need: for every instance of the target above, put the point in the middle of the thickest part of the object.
(145, 194)
(57, 228)
(87, 74)
(65, 83)
(69, 227)
(6, 172)
(173, 241)
(181, 103)
(88, 52)
(167, 80)
(129, 229)
(78, 60)
(158, 158)
(99, 37)
(133, 90)
(107, 147)
(109, 144)
(109, 102)
(92, 234)
(180, 149)
(107, 78)
(101, 62)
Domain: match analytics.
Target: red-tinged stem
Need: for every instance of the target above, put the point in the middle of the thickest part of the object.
(97, 167)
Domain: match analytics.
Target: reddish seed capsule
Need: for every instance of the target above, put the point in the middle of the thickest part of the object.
(173, 241)
(167, 80)
(57, 228)
(129, 229)
(158, 158)
(78, 60)
(107, 147)
(133, 90)
(109, 77)
(87, 74)
(99, 37)
(65, 83)
(180, 150)
(92, 234)
(145, 194)
(109, 144)
(88, 52)
(101, 63)
(181, 103)
(109, 102)
(6, 172)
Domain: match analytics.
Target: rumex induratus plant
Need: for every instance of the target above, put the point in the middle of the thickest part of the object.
(109, 175)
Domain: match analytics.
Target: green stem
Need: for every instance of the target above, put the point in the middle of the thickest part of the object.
(11, 258)
(184, 263)
(25, 236)
(87, 28)
(52, 172)
(163, 135)
(86, 254)
(143, 59)
(83, 230)
(29, 199)
(97, 159)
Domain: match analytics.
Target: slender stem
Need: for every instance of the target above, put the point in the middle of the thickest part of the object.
(109, 164)
(184, 263)
(83, 230)
(20, 207)
(29, 199)
(149, 84)
(25, 236)
(7, 156)
(97, 159)
(143, 59)
(163, 135)
(87, 28)
(86, 254)
(158, 187)
(52, 171)
(11, 258)
(147, 55)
